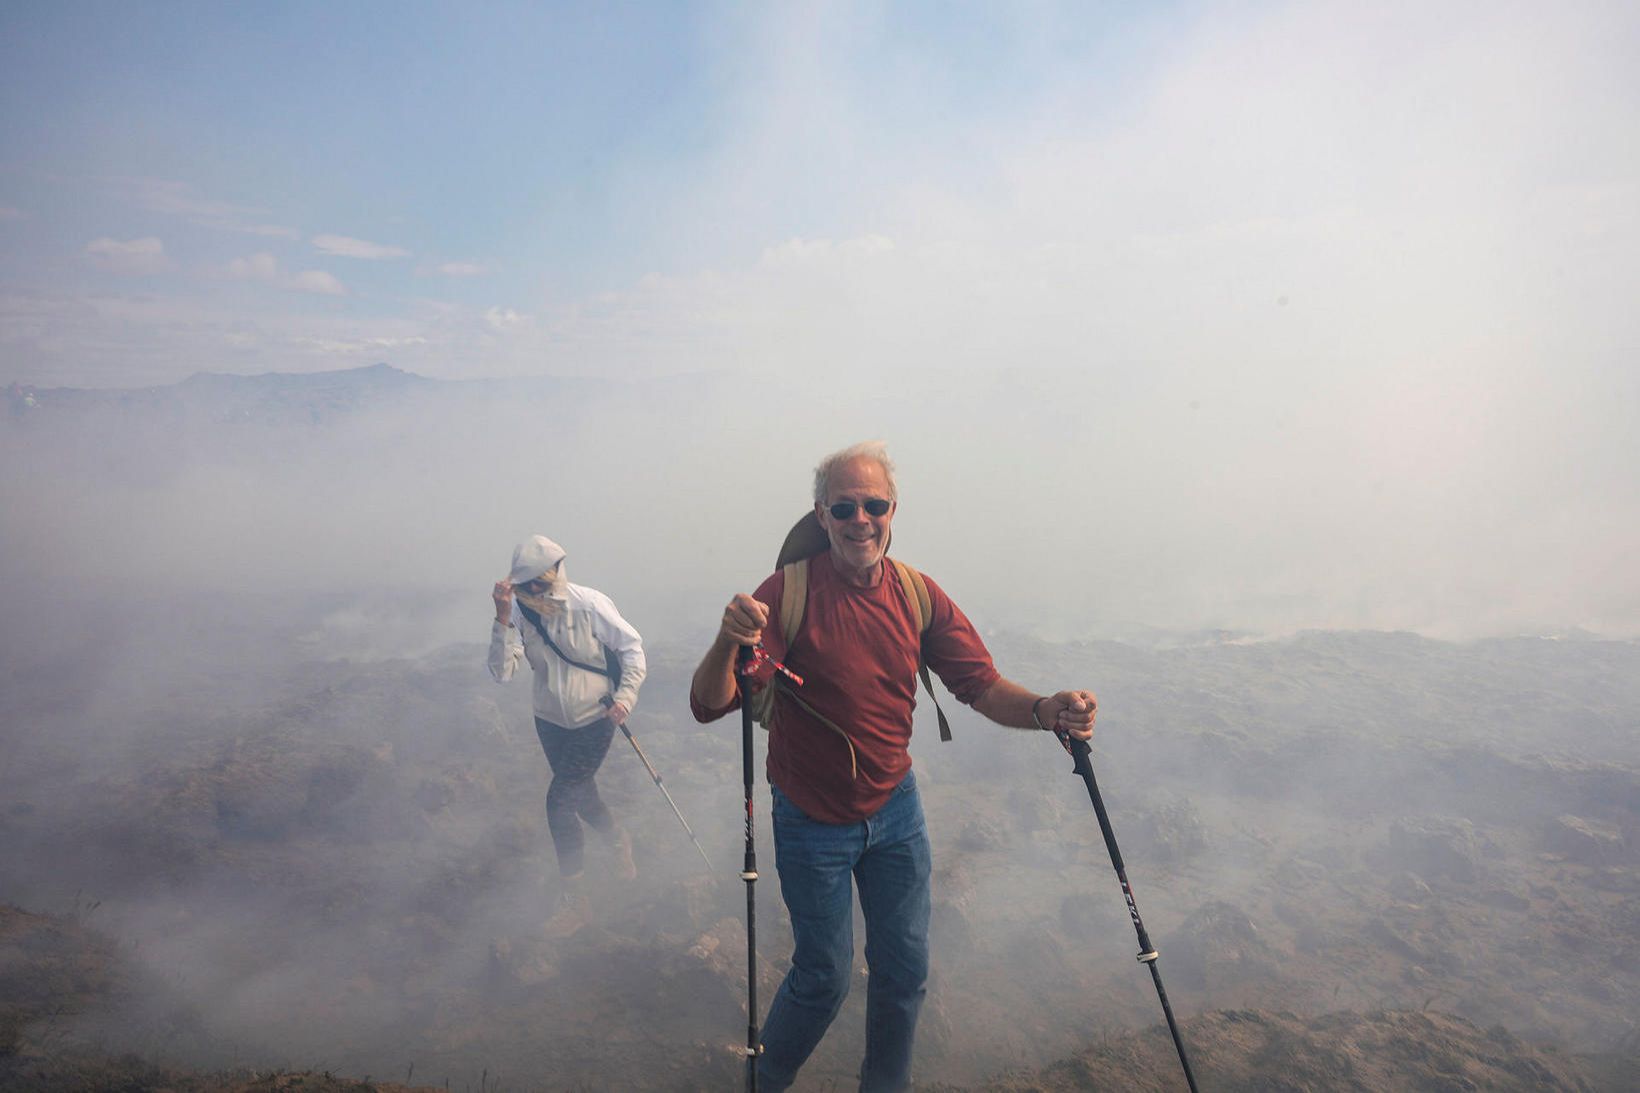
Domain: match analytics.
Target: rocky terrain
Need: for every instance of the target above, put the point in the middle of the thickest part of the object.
(1370, 861)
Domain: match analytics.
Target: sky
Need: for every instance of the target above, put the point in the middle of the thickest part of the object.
(578, 189)
(1324, 304)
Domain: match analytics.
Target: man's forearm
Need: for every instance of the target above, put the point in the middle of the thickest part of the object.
(714, 683)
(1007, 703)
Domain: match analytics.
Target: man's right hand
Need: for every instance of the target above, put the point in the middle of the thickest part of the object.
(713, 685)
(503, 602)
(743, 621)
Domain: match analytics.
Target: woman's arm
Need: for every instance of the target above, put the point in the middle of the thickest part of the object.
(506, 647)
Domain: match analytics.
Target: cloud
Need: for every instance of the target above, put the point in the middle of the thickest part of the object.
(179, 199)
(264, 267)
(7, 212)
(462, 269)
(349, 347)
(135, 257)
(342, 246)
(255, 267)
(318, 281)
(505, 318)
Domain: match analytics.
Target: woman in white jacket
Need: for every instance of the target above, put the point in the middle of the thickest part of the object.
(588, 663)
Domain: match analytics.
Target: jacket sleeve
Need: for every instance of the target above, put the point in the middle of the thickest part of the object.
(506, 650)
(614, 631)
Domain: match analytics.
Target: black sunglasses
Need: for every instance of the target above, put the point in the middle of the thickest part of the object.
(844, 510)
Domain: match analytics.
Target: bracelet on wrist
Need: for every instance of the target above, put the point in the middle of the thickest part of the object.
(1036, 712)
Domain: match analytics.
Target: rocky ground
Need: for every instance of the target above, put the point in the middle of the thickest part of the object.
(1246, 1050)
(1370, 861)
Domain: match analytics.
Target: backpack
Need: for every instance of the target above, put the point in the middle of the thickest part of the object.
(805, 540)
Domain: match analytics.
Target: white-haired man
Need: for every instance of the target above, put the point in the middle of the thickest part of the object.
(845, 802)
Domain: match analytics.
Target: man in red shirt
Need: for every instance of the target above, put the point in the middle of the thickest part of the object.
(845, 802)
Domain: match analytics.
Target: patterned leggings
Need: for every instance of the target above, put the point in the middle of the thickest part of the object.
(575, 756)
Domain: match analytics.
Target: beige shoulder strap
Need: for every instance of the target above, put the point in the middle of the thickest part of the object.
(916, 592)
(794, 598)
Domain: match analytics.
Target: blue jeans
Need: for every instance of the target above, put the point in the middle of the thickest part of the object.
(888, 855)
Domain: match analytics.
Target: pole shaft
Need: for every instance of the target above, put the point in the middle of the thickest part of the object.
(654, 774)
(749, 869)
(1147, 954)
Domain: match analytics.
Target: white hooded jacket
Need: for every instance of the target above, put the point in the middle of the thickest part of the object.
(564, 694)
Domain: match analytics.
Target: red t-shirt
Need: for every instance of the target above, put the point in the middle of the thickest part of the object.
(857, 653)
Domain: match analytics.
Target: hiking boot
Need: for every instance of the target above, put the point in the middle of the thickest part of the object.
(624, 867)
(571, 911)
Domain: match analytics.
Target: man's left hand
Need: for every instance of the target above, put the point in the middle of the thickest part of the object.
(618, 713)
(1073, 711)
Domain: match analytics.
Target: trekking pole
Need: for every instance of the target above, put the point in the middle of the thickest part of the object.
(630, 739)
(745, 663)
(1079, 751)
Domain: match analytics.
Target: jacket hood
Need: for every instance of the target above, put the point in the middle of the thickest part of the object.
(533, 557)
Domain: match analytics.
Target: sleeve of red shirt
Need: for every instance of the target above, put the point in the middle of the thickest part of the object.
(953, 649)
(768, 594)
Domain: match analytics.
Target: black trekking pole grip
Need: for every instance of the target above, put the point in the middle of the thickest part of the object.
(1082, 764)
(748, 873)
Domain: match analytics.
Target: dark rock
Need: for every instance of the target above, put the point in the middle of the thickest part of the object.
(1218, 944)
(1588, 842)
(1436, 848)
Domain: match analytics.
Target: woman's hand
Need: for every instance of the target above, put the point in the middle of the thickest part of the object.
(503, 595)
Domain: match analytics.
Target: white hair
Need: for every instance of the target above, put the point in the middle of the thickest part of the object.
(875, 450)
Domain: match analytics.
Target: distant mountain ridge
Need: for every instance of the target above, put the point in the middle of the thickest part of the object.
(379, 375)
(286, 398)
(270, 398)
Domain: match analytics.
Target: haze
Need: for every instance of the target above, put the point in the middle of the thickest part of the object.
(1251, 317)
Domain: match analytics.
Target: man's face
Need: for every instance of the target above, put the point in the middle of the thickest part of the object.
(859, 539)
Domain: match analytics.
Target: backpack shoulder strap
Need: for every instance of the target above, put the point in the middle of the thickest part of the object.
(794, 598)
(916, 593)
